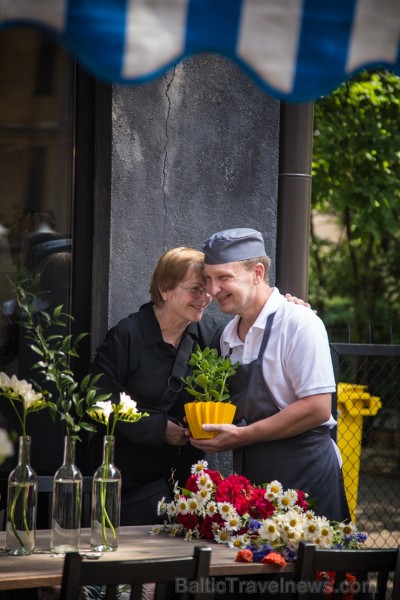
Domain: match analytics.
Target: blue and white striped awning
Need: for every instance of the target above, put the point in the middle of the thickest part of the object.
(296, 49)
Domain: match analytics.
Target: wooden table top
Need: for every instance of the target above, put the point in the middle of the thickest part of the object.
(43, 569)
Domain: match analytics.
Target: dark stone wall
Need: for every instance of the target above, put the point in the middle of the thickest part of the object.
(193, 152)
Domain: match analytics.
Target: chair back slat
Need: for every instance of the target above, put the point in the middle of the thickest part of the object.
(45, 498)
(164, 573)
(396, 580)
(362, 563)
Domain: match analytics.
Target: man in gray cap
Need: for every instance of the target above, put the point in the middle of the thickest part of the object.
(284, 384)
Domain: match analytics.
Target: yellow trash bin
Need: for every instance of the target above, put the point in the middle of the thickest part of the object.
(353, 403)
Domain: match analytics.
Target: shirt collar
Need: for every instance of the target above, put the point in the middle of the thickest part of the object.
(270, 306)
(151, 328)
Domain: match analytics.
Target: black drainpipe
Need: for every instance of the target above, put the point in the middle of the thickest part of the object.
(294, 198)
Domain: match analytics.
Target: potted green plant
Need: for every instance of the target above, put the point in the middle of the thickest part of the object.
(208, 385)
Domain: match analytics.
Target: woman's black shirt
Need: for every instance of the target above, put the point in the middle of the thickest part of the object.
(135, 358)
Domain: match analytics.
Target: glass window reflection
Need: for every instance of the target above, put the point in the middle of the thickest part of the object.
(36, 193)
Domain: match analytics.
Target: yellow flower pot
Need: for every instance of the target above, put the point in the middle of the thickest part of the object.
(198, 413)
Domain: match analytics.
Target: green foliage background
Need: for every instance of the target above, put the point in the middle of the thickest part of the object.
(356, 171)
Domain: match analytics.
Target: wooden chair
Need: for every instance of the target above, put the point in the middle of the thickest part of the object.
(165, 573)
(45, 496)
(370, 566)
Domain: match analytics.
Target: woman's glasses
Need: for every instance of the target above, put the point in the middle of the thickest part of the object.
(196, 290)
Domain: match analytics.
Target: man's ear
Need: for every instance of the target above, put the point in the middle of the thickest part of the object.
(259, 272)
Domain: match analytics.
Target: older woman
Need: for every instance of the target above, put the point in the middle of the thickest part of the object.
(146, 354)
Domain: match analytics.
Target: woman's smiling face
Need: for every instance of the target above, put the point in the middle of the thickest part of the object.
(189, 298)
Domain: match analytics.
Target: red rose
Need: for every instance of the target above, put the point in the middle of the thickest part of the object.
(206, 526)
(189, 521)
(242, 505)
(301, 500)
(234, 489)
(215, 476)
(261, 508)
(244, 556)
(273, 558)
(191, 482)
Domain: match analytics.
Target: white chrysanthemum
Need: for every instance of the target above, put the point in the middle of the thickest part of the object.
(291, 535)
(199, 466)
(326, 530)
(269, 530)
(322, 522)
(322, 542)
(211, 509)
(171, 509)
(239, 541)
(192, 505)
(162, 506)
(215, 527)
(126, 404)
(273, 490)
(225, 509)
(311, 530)
(203, 494)
(347, 529)
(156, 529)
(287, 499)
(201, 501)
(222, 536)
(309, 515)
(204, 482)
(175, 530)
(233, 522)
(294, 518)
(182, 506)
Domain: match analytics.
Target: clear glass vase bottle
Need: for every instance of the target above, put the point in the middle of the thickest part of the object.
(106, 501)
(22, 503)
(67, 503)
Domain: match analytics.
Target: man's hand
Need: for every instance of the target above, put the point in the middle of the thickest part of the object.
(227, 438)
(175, 434)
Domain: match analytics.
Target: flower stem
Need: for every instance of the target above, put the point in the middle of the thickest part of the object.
(105, 519)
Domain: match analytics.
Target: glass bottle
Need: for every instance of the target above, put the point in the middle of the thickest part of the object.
(106, 501)
(22, 493)
(67, 503)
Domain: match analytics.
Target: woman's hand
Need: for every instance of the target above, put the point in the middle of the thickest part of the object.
(175, 434)
(297, 300)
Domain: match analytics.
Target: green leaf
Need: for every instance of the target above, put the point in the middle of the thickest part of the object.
(202, 381)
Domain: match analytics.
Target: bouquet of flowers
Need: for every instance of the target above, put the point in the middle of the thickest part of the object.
(264, 523)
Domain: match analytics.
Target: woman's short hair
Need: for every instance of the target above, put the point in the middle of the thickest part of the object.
(173, 267)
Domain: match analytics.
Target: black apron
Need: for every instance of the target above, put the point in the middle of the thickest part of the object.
(306, 462)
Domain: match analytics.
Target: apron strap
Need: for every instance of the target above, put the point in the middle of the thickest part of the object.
(266, 335)
(178, 371)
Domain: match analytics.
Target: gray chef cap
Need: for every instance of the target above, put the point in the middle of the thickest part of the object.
(232, 245)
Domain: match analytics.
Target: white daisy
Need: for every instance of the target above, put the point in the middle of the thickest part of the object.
(273, 490)
(211, 508)
(222, 536)
(239, 541)
(287, 499)
(199, 467)
(233, 522)
(182, 507)
(269, 530)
